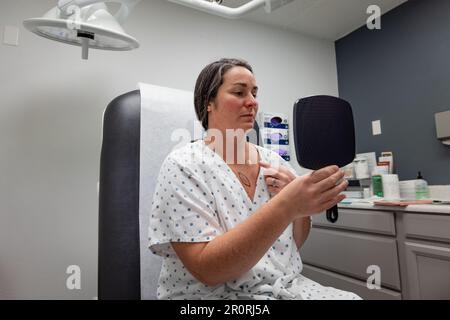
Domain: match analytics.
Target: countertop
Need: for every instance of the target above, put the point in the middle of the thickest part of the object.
(428, 208)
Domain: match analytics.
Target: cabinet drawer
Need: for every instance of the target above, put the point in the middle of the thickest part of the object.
(360, 220)
(352, 253)
(427, 226)
(327, 278)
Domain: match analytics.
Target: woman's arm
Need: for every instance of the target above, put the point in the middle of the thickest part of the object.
(301, 229)
(230, 255)
(276, 179)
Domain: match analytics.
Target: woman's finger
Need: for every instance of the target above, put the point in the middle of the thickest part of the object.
(271, 169)
(278, 179)
(321, 174)
(264, 164)
(331, 203)
(273, 190)
(331, 181)
(271, 181)
(332, 193)
(271, 172)
(287, 172)
(268, 168)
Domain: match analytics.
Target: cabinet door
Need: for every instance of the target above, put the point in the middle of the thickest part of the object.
(428, 271)
(351, 253)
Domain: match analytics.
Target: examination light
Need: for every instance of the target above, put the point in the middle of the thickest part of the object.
(86, 23)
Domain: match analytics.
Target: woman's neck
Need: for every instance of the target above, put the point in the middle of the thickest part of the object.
(233, 148)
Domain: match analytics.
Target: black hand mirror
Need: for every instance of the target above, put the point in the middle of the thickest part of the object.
(324, 134)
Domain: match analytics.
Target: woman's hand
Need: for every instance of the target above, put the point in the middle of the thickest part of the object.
(313, 193)
(276, 177)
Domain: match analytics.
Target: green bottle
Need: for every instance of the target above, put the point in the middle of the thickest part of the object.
(377, 185)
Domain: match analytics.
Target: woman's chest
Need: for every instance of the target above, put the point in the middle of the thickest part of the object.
(247, 178)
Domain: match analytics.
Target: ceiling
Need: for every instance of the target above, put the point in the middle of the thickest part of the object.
(324, 19)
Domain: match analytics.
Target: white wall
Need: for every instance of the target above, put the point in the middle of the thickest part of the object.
(51, 104)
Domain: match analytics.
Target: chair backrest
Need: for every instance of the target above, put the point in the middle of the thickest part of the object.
(119, 244)
(140, 128)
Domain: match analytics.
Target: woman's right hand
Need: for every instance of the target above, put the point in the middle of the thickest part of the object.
(313, 193)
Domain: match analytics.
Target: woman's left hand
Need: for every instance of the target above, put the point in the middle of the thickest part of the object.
(276, 177)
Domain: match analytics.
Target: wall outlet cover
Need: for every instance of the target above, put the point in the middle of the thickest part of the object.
(376, 127)
(11, 36)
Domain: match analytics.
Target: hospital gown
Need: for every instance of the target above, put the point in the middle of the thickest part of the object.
(197, 198)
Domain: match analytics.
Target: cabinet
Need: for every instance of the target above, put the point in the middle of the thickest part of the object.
(427, 256)
(411, 251)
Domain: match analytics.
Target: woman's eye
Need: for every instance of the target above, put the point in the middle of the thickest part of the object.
(239, 93)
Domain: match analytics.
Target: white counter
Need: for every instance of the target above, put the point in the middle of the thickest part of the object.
(430, 208)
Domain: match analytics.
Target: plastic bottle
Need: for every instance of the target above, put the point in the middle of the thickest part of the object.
(377, 184)
(422, 191)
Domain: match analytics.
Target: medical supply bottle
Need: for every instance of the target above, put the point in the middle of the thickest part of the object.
(377, 184)
(422, 191)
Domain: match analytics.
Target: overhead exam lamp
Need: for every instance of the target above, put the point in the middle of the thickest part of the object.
(86, 23)
(215, 6)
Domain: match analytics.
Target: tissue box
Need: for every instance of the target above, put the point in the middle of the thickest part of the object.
(440, 193)
(275, 136)
(414, 189)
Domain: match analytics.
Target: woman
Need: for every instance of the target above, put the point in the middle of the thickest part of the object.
(225, 230)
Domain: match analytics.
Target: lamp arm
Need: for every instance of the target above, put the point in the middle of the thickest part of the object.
(121, 15)
(232, 13)
(220, 10)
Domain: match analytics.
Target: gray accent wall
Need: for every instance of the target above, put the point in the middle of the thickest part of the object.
(401, 76)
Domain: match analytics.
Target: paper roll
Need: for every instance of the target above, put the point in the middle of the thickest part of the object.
(361, 168)
(391, 188)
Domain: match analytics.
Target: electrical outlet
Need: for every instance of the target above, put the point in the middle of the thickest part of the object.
(11, 36)
(376, 127)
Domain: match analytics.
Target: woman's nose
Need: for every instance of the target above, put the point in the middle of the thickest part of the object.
(251, 101)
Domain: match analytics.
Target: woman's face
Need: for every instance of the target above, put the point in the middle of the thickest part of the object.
(235, 105)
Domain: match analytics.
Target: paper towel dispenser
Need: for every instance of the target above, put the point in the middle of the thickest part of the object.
(443, 126)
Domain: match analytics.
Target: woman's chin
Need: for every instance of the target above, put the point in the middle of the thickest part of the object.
(247, 125)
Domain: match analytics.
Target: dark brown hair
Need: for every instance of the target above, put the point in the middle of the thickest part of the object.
(208, 82)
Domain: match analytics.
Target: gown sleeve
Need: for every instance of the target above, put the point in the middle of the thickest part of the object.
(183, 208)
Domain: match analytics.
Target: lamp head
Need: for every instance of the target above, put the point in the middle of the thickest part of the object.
(89, 26)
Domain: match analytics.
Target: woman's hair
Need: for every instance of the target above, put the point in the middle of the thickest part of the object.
(208, 82)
